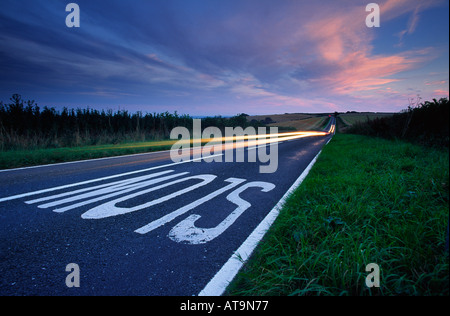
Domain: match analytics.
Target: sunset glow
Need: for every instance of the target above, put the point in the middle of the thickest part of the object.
(225, 57)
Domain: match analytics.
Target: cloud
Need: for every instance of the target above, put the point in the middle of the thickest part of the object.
(441, 93)
(289, 54)
(411, 27)
(362, 72)
(436, 82)
(344, 62)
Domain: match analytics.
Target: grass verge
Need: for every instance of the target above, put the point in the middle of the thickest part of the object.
(23, 158)
(366, 200)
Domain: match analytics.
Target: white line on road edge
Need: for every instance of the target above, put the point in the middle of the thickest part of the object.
(84, 160)
(226, 274)
(18, 196)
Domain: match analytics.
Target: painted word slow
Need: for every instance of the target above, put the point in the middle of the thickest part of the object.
(110, 199)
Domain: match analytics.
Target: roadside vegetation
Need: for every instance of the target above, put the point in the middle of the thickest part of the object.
(352, 117)
(31, 136)
(41, 156)
(366, 200)
(24, 125)
(424, 123)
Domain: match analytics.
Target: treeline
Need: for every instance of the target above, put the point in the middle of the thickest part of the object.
(24, 125)
(426, 124)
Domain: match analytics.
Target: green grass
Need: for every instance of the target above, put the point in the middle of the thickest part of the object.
(365, 200)
(22, 158)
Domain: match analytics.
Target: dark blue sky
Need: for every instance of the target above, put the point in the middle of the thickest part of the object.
(223, 57)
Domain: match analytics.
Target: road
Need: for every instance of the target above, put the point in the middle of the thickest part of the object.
(139, 224)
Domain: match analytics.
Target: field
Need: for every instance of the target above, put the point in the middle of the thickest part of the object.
(280, 118)
(305, 121)
(309, 124)
(294, 121)
(352, 118)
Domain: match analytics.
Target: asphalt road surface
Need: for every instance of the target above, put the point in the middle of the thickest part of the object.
(136, 225)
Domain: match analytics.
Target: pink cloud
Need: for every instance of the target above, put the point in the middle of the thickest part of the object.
(441, 93)
(360, 71)
(342, 41)
(437, 82)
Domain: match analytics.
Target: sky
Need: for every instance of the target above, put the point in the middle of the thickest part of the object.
(225, 57)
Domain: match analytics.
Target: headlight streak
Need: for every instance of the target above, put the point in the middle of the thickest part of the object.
(237, 141)
(257, 140)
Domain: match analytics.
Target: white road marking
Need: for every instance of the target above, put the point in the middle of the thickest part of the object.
(181, 233)
(107, 193)
(19, 196)
(96, 190)
(187, 232)
(109, 208)
(171, 216)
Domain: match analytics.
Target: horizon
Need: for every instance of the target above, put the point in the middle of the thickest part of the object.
(60, 109)
(222, 58)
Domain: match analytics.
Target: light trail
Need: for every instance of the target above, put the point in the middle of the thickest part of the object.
(251, 139)
(258, 139)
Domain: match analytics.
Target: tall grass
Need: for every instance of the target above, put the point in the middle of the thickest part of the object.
(366, 200)
(424, 123)
(24, 126)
